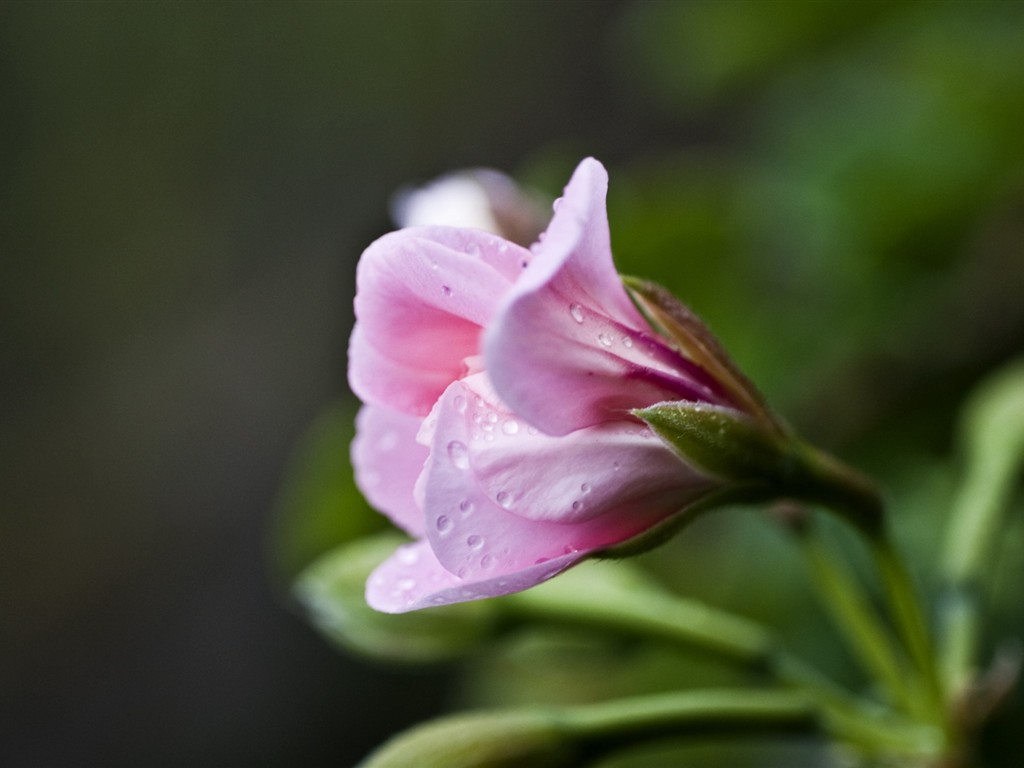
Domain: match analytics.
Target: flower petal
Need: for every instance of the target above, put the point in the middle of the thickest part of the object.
(387, 461)
(618, 467)
(478, 529)
(423, 297)
(412, 578)
(567, 349)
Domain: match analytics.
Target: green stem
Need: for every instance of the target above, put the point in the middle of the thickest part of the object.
(909, 618)
(866, 637)
(639, 609)
(692, 711)
(819, 478)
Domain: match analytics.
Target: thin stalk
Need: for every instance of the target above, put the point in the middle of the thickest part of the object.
(866, 637)
(906, 611)
(649, 613)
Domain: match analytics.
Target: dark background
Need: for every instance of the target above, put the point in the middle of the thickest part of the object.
(838, 187)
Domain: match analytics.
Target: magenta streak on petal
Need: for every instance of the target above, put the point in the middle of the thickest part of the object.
(674, 366)
(683, 389)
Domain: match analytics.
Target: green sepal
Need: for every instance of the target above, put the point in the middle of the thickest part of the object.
(719, 440)
(757, 463)
(333, 588)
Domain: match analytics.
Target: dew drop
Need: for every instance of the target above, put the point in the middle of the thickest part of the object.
(585, 487)
(408, 555)
(489, 437)
(388, 441)
(405, 584)
(492, 417)
(616, 466)
(460, 403)
(487, 561)
(459, 454)
(540, 560)
(474, 541)
(437, 600)
(627, 341)
(466, 507)
(569, 549)
(577, 312)
(447, 291)
(473, 249)
(443, 523)
(577, 506)
(510, 427)
(532, 430)
(556, 203)
(461, 573)
(604, 339)
(502, 247)
(504, 499)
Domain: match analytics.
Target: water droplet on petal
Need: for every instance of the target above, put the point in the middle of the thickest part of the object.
(408, 555)
(502, 246)
(540, 560)
(532, 430)
(474, 541)
(492, 417)
(405, 584)
(577, 506)
(461, 573)
(627, 341)
(473, 249)
(460, 403)
(446, 290)
(388, 441)
(604, 339)
(510, 427)
(577, 312)
(585, 487)
(487, 561)
(568, 549)
(556, 203)
(504, 499)
(459, 454)
(466, 507)
(444, 524)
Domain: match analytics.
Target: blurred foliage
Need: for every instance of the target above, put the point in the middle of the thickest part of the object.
(836, 186)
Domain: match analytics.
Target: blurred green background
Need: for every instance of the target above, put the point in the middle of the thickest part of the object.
(837, 187)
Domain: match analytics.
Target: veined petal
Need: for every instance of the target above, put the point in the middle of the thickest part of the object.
(567, 349)
(413, 578)
(478, 530)
(423, 297)
(387, 461)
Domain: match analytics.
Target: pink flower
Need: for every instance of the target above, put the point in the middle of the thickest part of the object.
(499, 384)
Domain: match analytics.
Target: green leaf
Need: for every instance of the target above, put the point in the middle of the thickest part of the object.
(333, 592)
